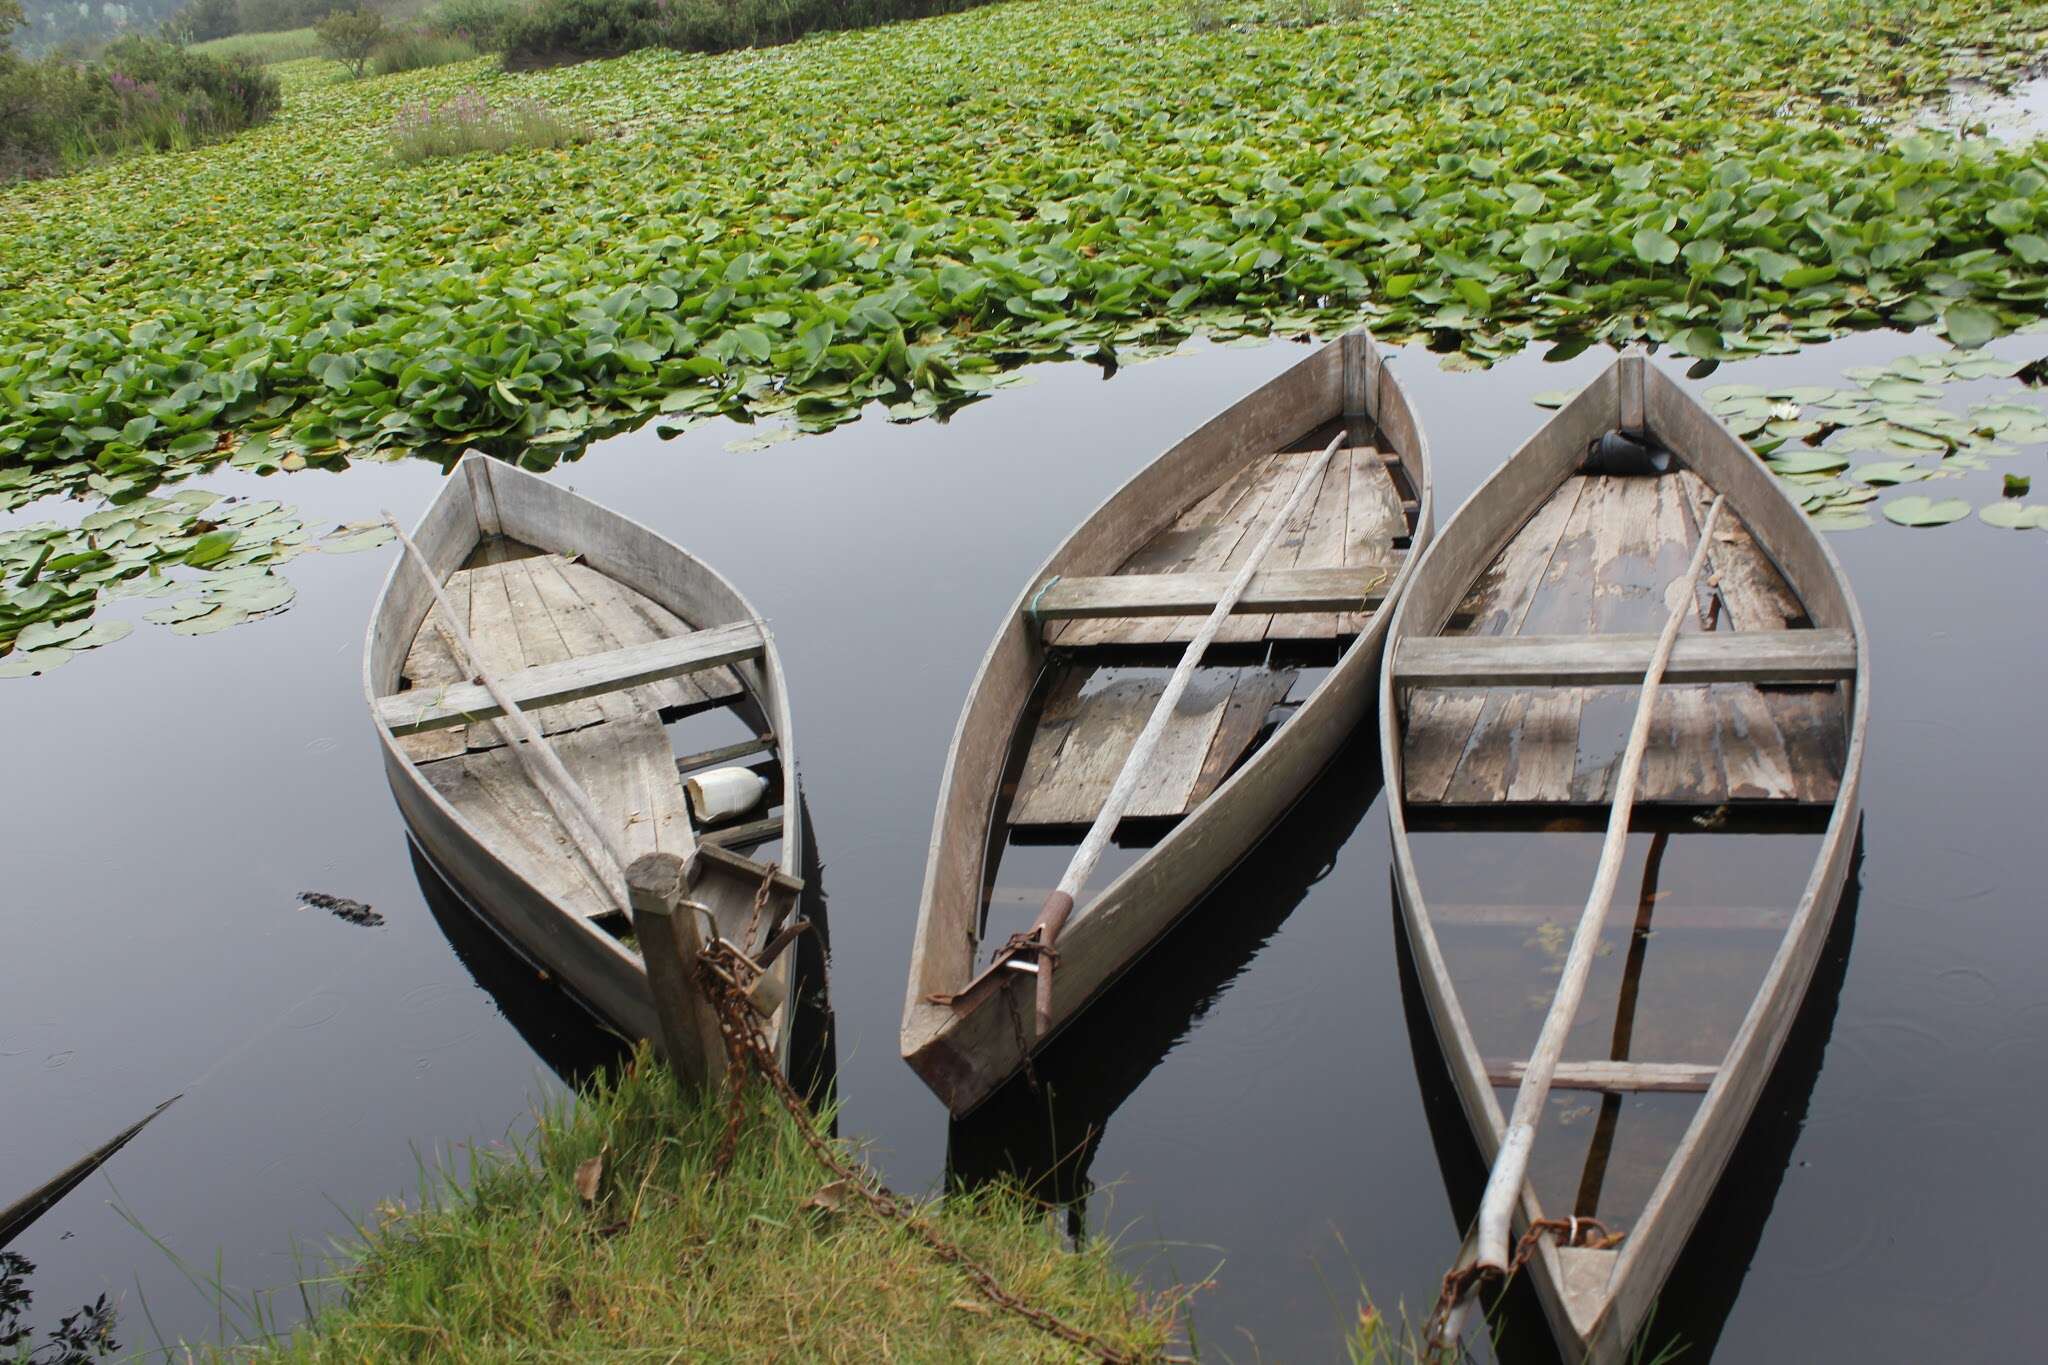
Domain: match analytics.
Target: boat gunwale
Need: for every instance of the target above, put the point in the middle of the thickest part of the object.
(630, 1010)
(1724, 1111)
(1363, 385)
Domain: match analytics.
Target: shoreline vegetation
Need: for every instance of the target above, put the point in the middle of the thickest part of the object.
(863, 220)
(609, 1234)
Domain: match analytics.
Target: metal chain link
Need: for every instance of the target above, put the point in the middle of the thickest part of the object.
(1578, 1232)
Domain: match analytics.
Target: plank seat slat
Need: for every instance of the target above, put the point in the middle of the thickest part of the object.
(574, 679)
(1183, 594)
(1787, 656)
(1615, 1078)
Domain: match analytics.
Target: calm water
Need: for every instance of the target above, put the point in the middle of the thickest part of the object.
(1261, 1103)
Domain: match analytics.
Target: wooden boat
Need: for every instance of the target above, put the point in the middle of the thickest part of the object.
(604, 634)
(1510, 659)
(1064, 692)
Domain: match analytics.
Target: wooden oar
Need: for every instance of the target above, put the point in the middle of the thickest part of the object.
(1511, 1165)
(1045, 930)
(16, 1217)
(606, 860)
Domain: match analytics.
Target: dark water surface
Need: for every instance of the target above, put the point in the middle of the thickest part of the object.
(1260, 1103)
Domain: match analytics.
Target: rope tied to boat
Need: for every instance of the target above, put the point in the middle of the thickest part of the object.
(1576, 1231)
(725, 974)
(1037, 597)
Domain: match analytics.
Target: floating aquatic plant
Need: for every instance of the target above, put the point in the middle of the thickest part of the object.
(800, 232)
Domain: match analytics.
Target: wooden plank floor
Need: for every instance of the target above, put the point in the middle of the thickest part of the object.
(1352, 520)
(1596, 558)
(1092, 718)
(525, 609)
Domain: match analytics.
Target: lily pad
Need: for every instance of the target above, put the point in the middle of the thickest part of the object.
(1890, 472)
(27, 663)
(2016, 516)
(353, 541)
(1808, 462)
(1915, 510)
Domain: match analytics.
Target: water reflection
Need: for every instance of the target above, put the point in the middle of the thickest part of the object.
(1045, 1135)
(1704, 1284)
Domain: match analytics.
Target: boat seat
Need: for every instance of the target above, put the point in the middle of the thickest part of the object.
(1614, 1077)
(592, 675)
(1274, 591)
(1762, 656)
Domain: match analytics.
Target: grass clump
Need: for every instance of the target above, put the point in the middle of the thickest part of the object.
(472, 123)
(669, 1260)
(416, 49)
(263, 49)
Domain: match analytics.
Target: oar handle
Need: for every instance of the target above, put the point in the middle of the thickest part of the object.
(1052, 917)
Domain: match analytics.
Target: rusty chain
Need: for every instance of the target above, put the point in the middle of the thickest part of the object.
(1578, 1232)
(724, 972)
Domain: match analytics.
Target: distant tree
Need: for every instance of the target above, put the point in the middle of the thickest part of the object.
(10, 19)
(349, 37)
(201, 21)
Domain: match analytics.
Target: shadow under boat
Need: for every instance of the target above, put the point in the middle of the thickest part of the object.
(1045, 1136)
(1701, 1291)
(573, 1041)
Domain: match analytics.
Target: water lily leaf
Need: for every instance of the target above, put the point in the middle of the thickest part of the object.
(1654, 247)
(1830, 520)
(1890, 472)
(184, 609)
(103, 633)
(1968, 325)
(353, 541)
(1915, 510)
(28, 663)
(2015, 516)
(44, 634)
(211, 548)
(220, 618)
(1808, 462)
(255, 596)
(1553, 398)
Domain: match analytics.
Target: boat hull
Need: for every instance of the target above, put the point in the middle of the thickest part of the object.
(964, 1055)
(486, 497)
(1598, 1301)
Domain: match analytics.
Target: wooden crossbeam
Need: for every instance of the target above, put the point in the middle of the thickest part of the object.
(1196, 594)
(1764, 656)
(615, 670)
(750, 835)
(725, 753)
(1614, 1077)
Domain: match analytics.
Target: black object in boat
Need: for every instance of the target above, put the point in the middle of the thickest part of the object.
(1628, 453)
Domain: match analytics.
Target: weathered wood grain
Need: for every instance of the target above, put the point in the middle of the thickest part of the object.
(1175, 594)
(1619, 660)
(571, 679)
(1615, 1078)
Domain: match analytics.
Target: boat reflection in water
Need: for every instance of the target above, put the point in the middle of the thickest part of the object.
(1046, 1138)
(1702, 1288)
(572, 1041)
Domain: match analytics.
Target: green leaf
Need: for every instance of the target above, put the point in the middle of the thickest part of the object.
(1969, 325)
(1808, 462)
(2015, 516)
(1882, 472)
(1915, 510)
(1654, 248)
(211, 548)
